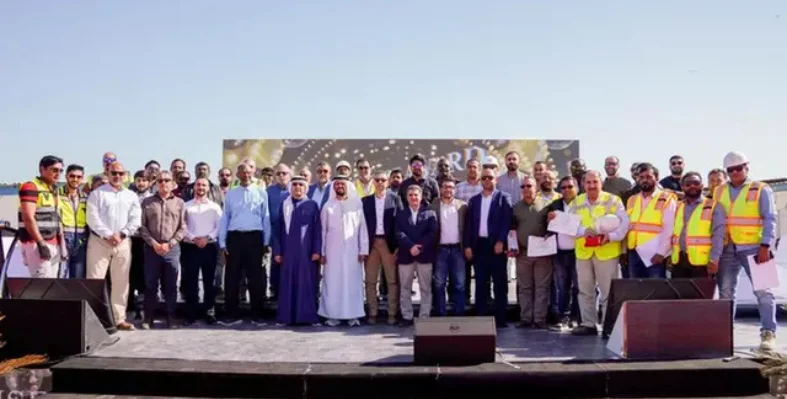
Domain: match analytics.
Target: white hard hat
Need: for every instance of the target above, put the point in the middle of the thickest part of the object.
(606, 224)
(491, 161)
(735, 158)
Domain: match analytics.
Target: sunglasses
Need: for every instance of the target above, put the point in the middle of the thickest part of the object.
(567, 187)
(323, 171)
(297, 183)
(692, 183)
(733, 169)
(56, 170)
(380, 180)
(526, 186)
(677, 163)
(75, 176)
(117, 173)
(363, 167)
(487, 178)
(416, 164)
(109, 160)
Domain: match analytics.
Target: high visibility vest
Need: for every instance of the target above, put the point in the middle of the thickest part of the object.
(698, 233)
(606, 204)
(744, 222)
(646, 223)
(74, 220)
(46, 216)
(364, 190)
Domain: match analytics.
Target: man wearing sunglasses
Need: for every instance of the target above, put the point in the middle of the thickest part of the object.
(73, 215)
(751, 230)
(565, 307)
(673, 181)
(106, 161)
(39, 222)
(320, 191)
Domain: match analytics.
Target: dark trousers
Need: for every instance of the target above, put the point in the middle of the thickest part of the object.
(162, 269)
(136, 275)
(196, 260)
(638, 268)
(490, 266)
(684, 269)
(450, 262)
(566, 288)
(275, 278)
(245, 251)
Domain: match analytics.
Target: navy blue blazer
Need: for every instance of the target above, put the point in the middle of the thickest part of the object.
(325, 196)
(423, 232)
(393, 205)
(498, 222)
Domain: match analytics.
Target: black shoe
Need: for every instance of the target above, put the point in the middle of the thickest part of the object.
(584, 330)
(406, 323)
(210, 319)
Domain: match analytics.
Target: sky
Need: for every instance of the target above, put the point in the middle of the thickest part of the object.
(642, 80)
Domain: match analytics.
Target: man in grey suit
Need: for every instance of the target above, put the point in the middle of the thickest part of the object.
(450, 255)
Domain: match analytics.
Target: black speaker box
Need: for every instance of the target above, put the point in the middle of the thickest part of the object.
(623, 290)
(56, 328)
(455, 341)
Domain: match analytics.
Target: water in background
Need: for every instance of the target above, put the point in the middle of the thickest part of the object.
(8, 191)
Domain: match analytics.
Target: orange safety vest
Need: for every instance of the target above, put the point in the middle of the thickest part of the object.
(744, 222)
(646, 223)
(699, 230)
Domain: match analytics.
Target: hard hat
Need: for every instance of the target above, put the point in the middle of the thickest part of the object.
(491, 161)
(735, 158)
(606, 224)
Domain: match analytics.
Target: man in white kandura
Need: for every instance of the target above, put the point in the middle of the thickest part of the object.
(345, 246)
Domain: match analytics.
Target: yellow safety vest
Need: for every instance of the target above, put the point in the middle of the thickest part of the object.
(698, 233)
(606, 204)
(364, 190)
(744, 222)
(74, 220)
(46, 216)
(646, 223)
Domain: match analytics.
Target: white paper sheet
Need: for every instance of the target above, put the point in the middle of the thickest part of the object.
(513, 243)
(648, 250)
(540, 246)
(763, 275)
(565, 223)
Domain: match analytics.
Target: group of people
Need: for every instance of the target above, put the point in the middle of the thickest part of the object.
(337, 247)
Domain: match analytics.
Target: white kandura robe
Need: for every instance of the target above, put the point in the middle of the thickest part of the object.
(344, 238)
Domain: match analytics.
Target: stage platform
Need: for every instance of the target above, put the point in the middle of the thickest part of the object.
(376, 361)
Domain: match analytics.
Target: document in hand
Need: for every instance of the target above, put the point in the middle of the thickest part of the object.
(513, 243)
(647, 251)
(763, 275)
(540, 246)
(565, 223)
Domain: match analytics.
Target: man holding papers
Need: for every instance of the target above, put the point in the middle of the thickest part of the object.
(597, 252)
(564, 266)
(652, 215)
(533, 270)
(751, 229)
(698, 236)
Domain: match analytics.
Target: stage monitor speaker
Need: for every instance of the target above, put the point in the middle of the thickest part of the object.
(93, 291)
(56, 328)
(623, 290)
(455, 341)
(673, 329)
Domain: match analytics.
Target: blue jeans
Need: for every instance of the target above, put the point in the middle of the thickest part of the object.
(729, 269)
(638, 268)
(76, 245)
(566, 288)
(450, 260)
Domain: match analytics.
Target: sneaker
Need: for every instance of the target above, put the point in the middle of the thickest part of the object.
(146, 325)
(332, 323)
(767, 341)
(354, 323)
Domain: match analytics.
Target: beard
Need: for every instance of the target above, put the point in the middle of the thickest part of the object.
(546, 186)
(647, 187)
(693, 193)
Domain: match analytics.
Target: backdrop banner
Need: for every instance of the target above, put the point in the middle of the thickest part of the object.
(395, 153)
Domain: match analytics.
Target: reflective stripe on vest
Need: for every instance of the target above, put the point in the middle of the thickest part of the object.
(744, 222)
(698, 233)
(605, 205)
(46, 215)
(646, 224)
(73, 223)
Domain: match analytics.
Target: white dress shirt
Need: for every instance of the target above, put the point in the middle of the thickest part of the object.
(111, 211)
(202, 219)
(565, 241)
(449, 223)
(483, 225)
(379, 209)
(413, 215)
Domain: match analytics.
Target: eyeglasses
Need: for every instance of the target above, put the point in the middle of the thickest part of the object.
(75, 176)
(526, 186)
(692, 183)
(117, 173)
(567, 187)
(416, 165)
(363, 167)
(282, 173)
(380, 180)
(109, 160)
(677, 163)
(733, 169)
(297, 183)
(487, 178)
(164, 181)
(56, 170)
(323, 171)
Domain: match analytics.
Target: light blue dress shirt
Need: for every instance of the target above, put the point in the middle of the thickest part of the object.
(245, 209)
